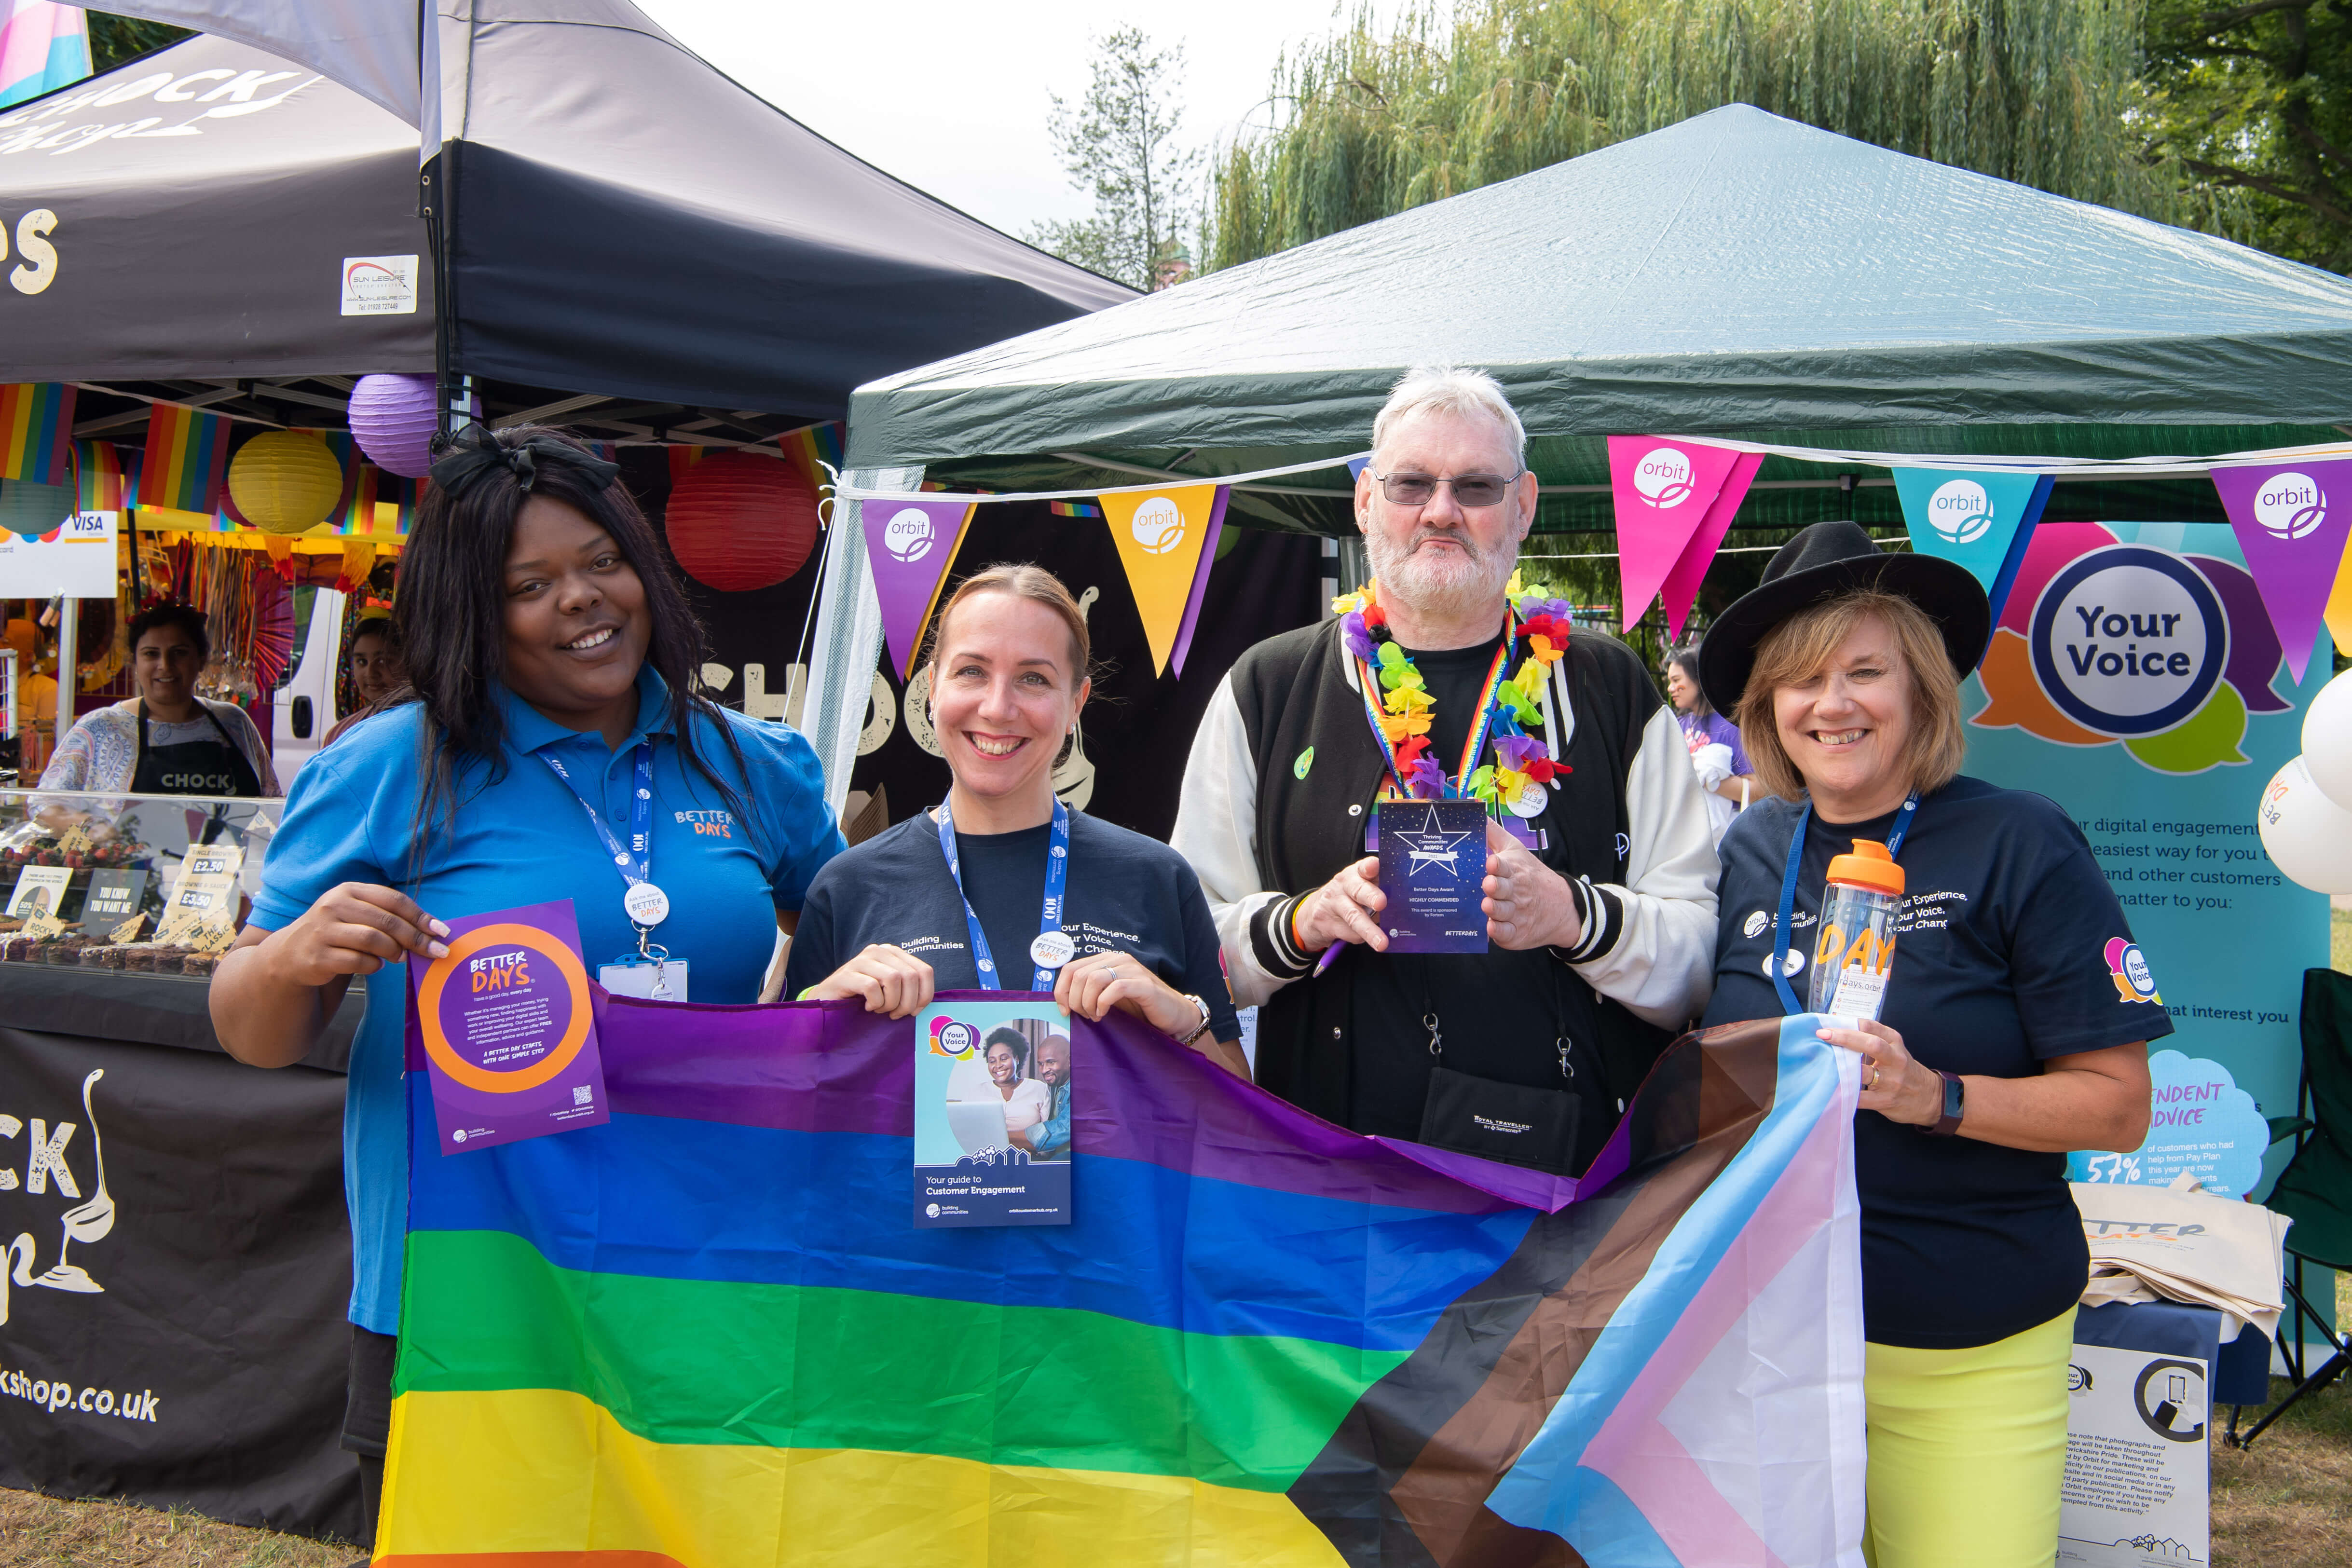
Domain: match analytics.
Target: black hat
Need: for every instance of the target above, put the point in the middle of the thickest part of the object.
(1822, 562)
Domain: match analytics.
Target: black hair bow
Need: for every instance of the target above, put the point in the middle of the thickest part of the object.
(476, 450)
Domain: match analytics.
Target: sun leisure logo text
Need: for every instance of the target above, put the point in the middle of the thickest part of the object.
(1664, 477)
(2290, 506)
(1960, 511)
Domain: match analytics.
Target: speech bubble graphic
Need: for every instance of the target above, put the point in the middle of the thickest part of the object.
(2208, 739)
(2254, 652)
(2052, 547)
(2016, 697)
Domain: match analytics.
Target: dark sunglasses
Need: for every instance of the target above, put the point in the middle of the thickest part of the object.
(1470, 490)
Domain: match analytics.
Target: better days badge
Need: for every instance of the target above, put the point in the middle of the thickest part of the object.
(506, 1026)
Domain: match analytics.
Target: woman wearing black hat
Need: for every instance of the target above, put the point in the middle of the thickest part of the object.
(2007, 1039)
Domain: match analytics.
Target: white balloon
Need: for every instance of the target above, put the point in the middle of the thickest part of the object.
(2328, 739)
(2307, 835)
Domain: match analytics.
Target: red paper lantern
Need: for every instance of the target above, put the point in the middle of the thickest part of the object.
(738, 521)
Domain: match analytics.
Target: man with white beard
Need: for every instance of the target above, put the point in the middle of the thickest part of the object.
(1603, 935)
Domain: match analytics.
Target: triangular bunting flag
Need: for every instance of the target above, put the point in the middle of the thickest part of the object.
(1664, 492)
(911, 545)
(1160, 535)
(2338, 614)
(2292, 521)
(1981, 520)
(1200, 585)
(1680, 590)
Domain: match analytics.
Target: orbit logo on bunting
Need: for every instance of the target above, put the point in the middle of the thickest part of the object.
(909, 535)
(1960, 511)
(1158, 525)
(2290, 506)
(1662, 477)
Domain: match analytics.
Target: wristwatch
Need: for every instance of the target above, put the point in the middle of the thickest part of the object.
(1956, 1094)
(1198, 1029)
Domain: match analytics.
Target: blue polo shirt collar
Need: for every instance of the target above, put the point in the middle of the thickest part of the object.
(530, 730)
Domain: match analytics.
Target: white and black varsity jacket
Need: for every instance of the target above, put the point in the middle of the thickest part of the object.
(1627, 826)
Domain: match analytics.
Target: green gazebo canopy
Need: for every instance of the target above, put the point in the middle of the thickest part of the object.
(1737, 275)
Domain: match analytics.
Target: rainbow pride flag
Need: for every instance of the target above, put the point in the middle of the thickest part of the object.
(187, 454)
(42, 47)
(36, 432)
(705, 1334)
(811, 449)
(105, 486)
(1074, 508)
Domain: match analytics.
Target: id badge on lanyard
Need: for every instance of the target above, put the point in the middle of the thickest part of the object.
(1053, 949)
(650, 972)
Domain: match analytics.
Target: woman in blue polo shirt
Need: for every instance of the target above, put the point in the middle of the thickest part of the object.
(551, 655)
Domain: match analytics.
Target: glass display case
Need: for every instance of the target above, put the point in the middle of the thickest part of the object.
(114, 884)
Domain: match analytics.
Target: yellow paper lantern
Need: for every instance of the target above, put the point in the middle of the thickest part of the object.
(284, 481)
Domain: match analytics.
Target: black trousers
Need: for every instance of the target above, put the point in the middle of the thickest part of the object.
(367, 1419)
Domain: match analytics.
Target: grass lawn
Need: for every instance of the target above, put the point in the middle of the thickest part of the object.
(38, 1532)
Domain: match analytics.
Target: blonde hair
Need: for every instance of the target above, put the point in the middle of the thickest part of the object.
(1445, 389)
(1038, 586)
(1799, 648)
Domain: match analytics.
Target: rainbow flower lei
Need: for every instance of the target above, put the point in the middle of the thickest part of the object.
(1515, 705)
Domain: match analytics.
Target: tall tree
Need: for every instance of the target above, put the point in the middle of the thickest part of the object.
(2255, 101)
(1120, 142)
(1369, 123)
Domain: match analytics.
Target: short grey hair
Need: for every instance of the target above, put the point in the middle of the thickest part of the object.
(1448, 389)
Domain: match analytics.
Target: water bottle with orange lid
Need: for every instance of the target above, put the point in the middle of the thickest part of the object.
(1857, 942)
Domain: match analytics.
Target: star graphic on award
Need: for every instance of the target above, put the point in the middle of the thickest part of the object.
(1431, 844)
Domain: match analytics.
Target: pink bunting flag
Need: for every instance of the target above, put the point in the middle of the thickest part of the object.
(1680, 590)
(1665, 490)
(911, 545)
(2292, 521)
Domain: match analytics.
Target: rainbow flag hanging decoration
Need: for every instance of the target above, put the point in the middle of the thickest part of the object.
(705, 1334)
(105, 485)
(42, 47)
(187, 454)
(36, 432)
(1073, 510)
(809, 450)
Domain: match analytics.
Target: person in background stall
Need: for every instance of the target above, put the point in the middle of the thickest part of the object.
(552, 665)
(36, 700)
(378, 676)
(950, 899)
(2013, 1027)
(167, 740)
(1724, 771)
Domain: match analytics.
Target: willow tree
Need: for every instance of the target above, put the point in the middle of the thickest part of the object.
(1369, 122)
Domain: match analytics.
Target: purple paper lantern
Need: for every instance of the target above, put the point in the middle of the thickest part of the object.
(394, 420)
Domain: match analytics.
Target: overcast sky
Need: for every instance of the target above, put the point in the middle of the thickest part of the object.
(952, 97)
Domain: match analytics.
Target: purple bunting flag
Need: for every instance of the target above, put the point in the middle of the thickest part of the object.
(2292, 521)
(911, 545)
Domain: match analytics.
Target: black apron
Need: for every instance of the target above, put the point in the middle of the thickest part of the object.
(192, 767)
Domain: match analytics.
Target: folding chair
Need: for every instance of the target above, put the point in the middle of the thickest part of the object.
(2315, 1188)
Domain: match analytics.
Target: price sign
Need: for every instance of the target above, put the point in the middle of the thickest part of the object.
(128, 931)
(204, 895)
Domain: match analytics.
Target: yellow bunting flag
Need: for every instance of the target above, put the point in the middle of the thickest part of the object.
(2338, 614)
(1159, 534)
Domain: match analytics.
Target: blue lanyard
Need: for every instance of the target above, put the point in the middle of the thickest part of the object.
(635, 862)
(1789, 1003)
(1057, 877)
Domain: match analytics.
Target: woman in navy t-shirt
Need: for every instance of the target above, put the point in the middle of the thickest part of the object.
(2010, 1035)
(887, 922)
